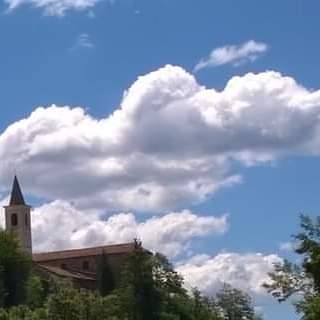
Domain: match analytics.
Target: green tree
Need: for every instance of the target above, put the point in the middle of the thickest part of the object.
(202, 307)
(22, 312)
(111, 308)
(169, 285)
(179, 307)
(3, 314)
(301, 280)
(15, 266)
(105, 276)
(166, 278)
(35, 292)
(234, 304)
(152, 289)
(62, 304)
(2, 288)
(140, 297)
(91, 306)
(68, 303)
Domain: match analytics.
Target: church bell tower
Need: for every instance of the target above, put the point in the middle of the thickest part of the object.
(18, 218)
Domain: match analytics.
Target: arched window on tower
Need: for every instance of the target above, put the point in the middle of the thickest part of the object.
(27, 220)
(14, 219)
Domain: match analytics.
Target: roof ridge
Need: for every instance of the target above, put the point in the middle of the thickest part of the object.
(86, 248)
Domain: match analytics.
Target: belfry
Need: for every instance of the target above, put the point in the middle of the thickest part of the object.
(18, 219)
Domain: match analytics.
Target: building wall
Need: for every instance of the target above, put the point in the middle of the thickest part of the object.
(116, 261)
(48, 276)
(22, 228)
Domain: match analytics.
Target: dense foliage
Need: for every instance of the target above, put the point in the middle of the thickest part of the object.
(234, 304)
(14, 271)
(106, 279)
(150, 289)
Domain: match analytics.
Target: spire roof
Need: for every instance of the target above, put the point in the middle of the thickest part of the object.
(16, 194)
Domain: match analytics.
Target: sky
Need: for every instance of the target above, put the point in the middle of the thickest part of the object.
(193, 125)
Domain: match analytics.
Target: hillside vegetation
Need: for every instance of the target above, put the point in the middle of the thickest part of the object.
(150, 289)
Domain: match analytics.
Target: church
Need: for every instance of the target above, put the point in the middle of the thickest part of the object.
(78, 265)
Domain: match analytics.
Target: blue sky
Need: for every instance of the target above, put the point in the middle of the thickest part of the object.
(88, 56)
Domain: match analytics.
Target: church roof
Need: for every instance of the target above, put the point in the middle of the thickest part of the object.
(124, 248)
(16, 194)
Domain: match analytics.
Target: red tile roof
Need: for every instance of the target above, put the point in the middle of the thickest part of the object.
(85, 252)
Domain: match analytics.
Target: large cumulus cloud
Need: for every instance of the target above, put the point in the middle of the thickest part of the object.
(246, 271)
(58, 225)
(170, 143)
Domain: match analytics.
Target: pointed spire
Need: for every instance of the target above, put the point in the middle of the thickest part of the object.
(16, 194)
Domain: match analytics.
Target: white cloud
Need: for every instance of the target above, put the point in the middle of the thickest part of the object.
(83, 41)
(233, 54)
(243, 271)
(172, 233)
(53, 7)
(91, 14)
(287, 246)
(170, 144)
(58, 225)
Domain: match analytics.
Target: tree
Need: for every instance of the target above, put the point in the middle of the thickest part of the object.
(169, 285)
(112, 307)
(140, 297)
(2, 289)
(35, 292)
(22, 312)
(68, 303)
(166, 278)
(15, 268)
(301, 280)
(62, 304)
(152, 289)
(233, 304)
(202, 308)
(105, 276)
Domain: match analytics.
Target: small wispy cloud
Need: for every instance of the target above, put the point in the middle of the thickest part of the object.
(52, 7)
(91, 14)
(287, 247)
(235, 55)
(82, 41)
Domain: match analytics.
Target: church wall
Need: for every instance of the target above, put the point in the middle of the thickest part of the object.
(115, 261)
(47, 276)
